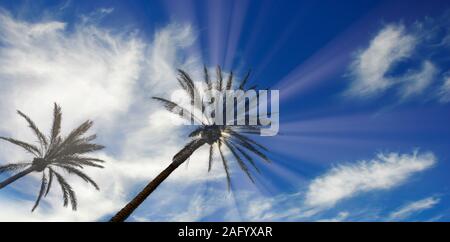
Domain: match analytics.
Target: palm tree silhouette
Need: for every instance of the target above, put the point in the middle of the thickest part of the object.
(232, 137)
(54, 154)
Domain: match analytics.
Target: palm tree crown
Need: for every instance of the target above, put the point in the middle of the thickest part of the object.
(54, 154)
(233, 137)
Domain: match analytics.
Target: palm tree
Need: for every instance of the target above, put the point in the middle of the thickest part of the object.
(232, 137)
(54, 154)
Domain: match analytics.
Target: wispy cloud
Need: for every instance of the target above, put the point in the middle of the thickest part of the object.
(415, 82)
(339, 218)
(414, 207)
(369, 69)
(402, 58)
(383, 172)
(444, 92)
(97, 74)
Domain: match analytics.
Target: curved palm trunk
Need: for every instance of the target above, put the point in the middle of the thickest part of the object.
(16, 177)
(178, 159)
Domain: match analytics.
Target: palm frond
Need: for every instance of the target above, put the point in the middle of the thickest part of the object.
(50, 181)
(79, 173)
(196, 132)
(230, 81)
(56, 127)
(41, 191)
(41, 137)
(79, 149)
(188, 89)
(239, 161)
(252, 87)
(61, 182)
(244, 138)
(13, 167)
(67, 191)
(67, 162)
(219, 78)
(225, 165)
(244, 81)
(80, 161)
(78, 132)
(248, 129)
(177, 109)
(189, 86)
(211, 156)
(74, 143)
(207, 79)
(253, 149)
(206, 75)
(69, 140)
(28, 147)
(93, 159)
(247, 157)
(186, 79)
(86, 139)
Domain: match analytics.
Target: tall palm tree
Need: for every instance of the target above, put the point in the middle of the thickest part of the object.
(54, 154)
(242, 148)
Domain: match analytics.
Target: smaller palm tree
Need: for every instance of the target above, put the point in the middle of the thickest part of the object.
(54, 154)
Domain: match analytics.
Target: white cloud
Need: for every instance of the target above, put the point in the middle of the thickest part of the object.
(385, 171)
(444, 92)
(42, 63)
(414, 207)
(416, 82)
(391, 45)
(339, 218)
(373, 70)
(105, 76)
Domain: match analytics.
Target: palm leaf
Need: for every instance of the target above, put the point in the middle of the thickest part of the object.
(85, 161)
(207, 79)
(219, 78)
(248, 129)
(70, 142)
(244, 81)
(225, 166)
(41, 137)
(28, 147)
(79, 149)
(68, 162)
(247, 157)
(13, 167)
(78, 132)
(239, 160)
(176, 109)
(244, 138)
(211, 156)
(79, 173)
(252, 87)
(189, 86)
(41, 191)
(230, 81)
(56, 127)
(196, 132)
(68, 193)
(50, 181)
(253, 149)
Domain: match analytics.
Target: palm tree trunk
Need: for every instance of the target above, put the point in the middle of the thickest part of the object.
(177, 160)
(15, 177)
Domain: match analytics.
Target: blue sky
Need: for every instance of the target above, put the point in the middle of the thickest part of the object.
(364, 104)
